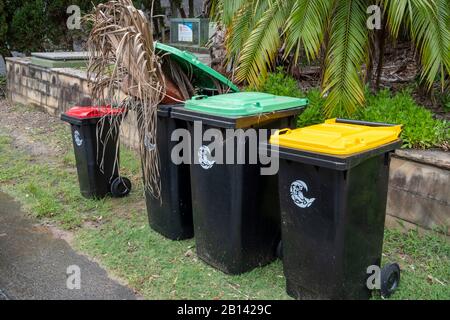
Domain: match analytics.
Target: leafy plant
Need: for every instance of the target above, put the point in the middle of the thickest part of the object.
(420, 129)
(335, 29)
(27, 29)
(445, 101)
(279, 83)
(314, 113)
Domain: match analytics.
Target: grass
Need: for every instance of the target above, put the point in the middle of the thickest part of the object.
(115, 232)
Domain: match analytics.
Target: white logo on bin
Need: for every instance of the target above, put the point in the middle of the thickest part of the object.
(204, 153)
(77, 137)
(298, 188)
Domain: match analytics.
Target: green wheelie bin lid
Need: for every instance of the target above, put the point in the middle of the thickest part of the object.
(204, 75)
(243, 104)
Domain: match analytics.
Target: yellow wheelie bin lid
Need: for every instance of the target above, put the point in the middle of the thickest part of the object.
(338, 137)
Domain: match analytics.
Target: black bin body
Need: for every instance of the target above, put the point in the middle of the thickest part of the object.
(171, 216)
(235, 209)
(333, 214)
(94, 182)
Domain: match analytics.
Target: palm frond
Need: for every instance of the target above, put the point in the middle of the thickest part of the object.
(429, 26)
(348, 49)
(261, 47)
(122, 59)
(306, 26)
(215, 10)
(395, 12)
(229, 8)
(239, 29)
(430, 29)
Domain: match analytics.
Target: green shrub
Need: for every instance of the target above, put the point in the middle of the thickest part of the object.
(420, 129)
(281, 84)
(445, 100)
(313, 114)
(28, 27)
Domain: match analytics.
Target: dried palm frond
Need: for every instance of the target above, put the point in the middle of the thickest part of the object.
(122, 60)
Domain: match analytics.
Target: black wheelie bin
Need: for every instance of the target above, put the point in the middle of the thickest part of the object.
(333, 184)
(235, 207)
(97, 179)
(171, 215)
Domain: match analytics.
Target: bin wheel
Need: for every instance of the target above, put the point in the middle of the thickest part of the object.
(280, 250)
(120, 187)
(390, 279)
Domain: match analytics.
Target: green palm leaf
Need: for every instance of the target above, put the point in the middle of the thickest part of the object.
(396, 10)
(306, 26)
(429, 25)
(347, 51)
(230, 8)
(430, 28)
(239, 30)
(262, 45)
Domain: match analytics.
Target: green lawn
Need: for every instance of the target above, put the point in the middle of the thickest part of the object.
(115, 232)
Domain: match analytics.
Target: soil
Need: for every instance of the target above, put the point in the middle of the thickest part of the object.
(22, 126)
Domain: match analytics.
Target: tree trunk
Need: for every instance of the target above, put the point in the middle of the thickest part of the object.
(173, 9)
(206, 10)
(191, 9)
(218, 51)
(177, 5)
(381, 35)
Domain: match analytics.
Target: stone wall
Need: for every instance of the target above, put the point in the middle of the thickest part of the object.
(419, 189)
(55, 90)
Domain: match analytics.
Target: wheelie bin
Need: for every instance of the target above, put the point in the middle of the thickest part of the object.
(333, 183)
(96, 180)
(171, 216)
(235, 208)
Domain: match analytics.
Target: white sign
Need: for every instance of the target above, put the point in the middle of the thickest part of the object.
(185, 32)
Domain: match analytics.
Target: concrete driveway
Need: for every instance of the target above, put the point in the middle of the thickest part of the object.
(34, 264)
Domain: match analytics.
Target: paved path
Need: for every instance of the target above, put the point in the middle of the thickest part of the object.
(33, 263)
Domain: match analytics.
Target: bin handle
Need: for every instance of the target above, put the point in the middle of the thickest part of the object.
(365, 123)
(199, 97)
(255, 105)
(282, 131)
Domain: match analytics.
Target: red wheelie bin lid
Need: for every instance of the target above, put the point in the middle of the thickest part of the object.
(92, 112)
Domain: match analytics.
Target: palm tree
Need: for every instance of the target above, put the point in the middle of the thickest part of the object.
(335, 31)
